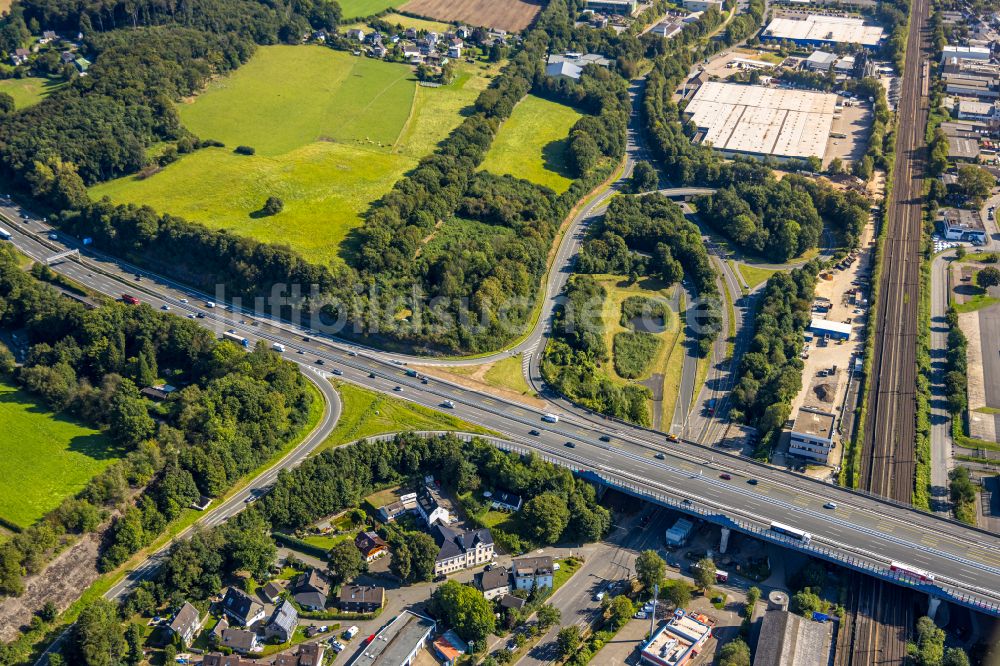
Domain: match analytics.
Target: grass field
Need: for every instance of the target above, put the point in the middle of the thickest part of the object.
(754, 275)
(360, 8)
(367, 413)
(332, 133)
(665, 358)
(505, 374)
(533, 143)
(417, 24)
(29, 90)
(46, 457)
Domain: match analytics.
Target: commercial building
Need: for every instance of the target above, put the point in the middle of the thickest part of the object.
(679, 533)
(532, 572)
(756, 120)
(789, 640)
(570, 65)
(973, 110)
(667, 29)
(677, 642)
(622, 7)
(961, 224)
(834, 329)
(821, 61)
(963, 150)
(819, 30)
(702, 5)
(964, 53)
(812, 435)
(398, 643)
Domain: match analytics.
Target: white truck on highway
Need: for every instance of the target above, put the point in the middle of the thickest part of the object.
(550, 418)
(278, 347)
(4, 234)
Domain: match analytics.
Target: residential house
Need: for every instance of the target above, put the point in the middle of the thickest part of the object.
(455, 52)
(20, 56)
(410, 33)
(48, 36)
(448, 647)
(311, 590)
(283, 622)
(220, 626)
(408, 501)
(241, 608)
(533, 572)
(271, 591)
(461, 550)
(371, 545)
(463, 32)
(240, 640)
(67, 57)
(379, 51)
(154, 394)
(432, 507)
(361, 598)
(219, 659)
(495, 582)
(356, 33)
(309, 654)
(186, 623)
(509, 601)
(82, 64)
(503, 500)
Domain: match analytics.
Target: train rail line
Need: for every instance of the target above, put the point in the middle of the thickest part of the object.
(880, 615)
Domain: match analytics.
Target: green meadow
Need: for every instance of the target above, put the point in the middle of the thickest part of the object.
(533, 144)
(30, 90)
(332, 133)
(359, 8)
(46, 457)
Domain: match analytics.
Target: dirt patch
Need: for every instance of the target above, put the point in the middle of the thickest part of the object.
(512, 15)
(981, 426)
(475, 382)
(61, 582)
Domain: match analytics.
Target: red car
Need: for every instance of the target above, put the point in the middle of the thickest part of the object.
(725, 477)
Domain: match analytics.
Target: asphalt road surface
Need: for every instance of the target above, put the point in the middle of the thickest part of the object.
(867, 527)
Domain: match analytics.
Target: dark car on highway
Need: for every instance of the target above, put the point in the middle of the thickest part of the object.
(534, 433)
(725, 476)
(605, 438)
(570, 445)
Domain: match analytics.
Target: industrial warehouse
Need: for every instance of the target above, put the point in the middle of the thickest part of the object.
(820, 30)
(754, 120)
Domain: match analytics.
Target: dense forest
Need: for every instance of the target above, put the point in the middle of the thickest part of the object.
(770, 372)
(231, 411)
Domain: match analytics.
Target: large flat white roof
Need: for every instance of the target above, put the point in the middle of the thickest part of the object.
(816, 28)
(763, 121)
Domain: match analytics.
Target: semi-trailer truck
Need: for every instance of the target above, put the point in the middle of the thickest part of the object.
(237, 338)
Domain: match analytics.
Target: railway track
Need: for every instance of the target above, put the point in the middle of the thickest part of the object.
(881, 615)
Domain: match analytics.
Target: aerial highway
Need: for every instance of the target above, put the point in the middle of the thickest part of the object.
(868, 529)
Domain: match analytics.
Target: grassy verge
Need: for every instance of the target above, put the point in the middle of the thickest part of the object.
(367, 413)
(674, 370)
(754, 275)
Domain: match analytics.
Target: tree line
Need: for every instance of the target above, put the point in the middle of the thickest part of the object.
(231, 411)
(770, 372)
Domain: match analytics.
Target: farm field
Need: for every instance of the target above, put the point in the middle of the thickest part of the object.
(533, 144)
(332, 133)
(30, 90)
(359, 8)
(512, 15)
(415, 23)
(50, 456)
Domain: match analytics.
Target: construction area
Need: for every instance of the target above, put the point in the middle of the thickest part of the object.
(757, 120)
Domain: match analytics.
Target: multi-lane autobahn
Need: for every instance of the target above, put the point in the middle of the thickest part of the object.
(867, 528)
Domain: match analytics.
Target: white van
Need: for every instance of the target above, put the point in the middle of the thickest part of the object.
(351, 632)
(550, 418)
(278, 347)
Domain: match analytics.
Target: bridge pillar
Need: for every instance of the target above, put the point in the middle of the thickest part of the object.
(724, 541)
(932, 607)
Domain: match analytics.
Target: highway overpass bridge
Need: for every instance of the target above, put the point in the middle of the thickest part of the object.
(865, 533)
